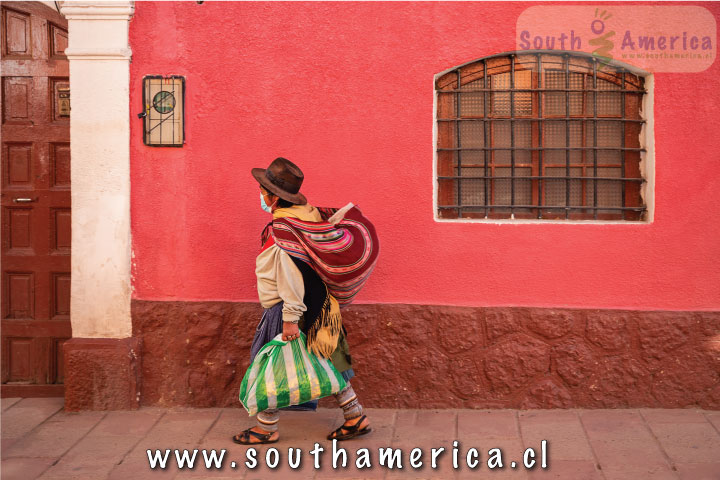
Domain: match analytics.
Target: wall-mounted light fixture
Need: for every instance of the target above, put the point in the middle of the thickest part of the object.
(163, 111)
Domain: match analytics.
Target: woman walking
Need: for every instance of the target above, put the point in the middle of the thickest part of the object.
(312, 261)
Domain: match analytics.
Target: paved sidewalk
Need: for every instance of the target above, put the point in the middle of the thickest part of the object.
(41, 440)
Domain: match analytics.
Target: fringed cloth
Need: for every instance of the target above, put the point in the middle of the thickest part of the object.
(335, 257)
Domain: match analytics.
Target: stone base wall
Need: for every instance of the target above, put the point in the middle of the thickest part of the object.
(102, 373)
(420, 356)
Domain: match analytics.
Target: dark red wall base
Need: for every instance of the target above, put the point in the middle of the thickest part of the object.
(102, 373)
(417, 356)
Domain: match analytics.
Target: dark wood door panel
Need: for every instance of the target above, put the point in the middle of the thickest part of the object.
(27, 328)
(36, 294)
(20, 133)
(27, 101)
(19, 68)
(35, 200)
(17, 41)
(32, 364)
(27, 28)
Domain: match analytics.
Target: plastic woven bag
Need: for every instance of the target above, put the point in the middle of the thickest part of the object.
(285, 373)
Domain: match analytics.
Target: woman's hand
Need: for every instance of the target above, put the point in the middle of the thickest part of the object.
(290, 331)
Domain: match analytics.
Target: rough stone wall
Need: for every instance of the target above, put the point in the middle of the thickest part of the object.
(418, 356)
(102, 373)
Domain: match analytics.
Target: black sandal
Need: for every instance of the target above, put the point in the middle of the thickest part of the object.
(346, 433)
(244, 437)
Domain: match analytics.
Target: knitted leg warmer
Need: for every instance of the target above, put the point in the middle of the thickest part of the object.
(268, 419)
(348, 401)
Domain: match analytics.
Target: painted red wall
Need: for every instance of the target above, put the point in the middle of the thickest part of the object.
(345, 90)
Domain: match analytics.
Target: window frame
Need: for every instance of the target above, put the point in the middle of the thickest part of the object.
(635, 117)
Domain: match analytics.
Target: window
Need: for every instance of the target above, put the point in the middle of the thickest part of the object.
(539, 135)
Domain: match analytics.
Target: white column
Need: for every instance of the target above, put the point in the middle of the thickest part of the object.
(99, 57)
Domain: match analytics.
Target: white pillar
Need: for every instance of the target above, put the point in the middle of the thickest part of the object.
(99, 57)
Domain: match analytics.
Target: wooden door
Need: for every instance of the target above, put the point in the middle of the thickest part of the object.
(35, 199)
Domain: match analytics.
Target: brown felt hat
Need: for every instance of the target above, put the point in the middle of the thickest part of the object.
(282, 178)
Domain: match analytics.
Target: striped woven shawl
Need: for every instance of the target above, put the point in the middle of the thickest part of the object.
(343, 255)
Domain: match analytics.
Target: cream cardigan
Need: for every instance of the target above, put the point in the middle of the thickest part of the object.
(279, 279)
(277, 276)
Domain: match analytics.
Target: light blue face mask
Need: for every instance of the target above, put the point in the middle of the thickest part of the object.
(263, 205)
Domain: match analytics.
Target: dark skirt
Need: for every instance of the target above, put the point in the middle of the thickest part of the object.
(270, 326)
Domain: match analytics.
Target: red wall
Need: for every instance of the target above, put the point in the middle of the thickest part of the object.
(345, 90)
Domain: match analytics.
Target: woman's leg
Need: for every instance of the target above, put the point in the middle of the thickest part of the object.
(264, 432)
(268, 420)
(348, 401)
(355, 422)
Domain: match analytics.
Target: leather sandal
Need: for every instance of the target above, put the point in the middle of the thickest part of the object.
(244, 437)
(346, 433)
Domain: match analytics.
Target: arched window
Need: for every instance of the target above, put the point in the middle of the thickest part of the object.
(540, 135)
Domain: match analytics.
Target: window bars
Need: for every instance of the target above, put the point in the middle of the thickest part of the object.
(540, 135)
(163, 111)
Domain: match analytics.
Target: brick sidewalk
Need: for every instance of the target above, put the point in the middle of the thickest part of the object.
(40, 440)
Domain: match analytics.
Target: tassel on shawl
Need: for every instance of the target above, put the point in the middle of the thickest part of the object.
(322, 336)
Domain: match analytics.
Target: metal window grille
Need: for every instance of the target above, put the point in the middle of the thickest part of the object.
(163, 111)
(540, 135)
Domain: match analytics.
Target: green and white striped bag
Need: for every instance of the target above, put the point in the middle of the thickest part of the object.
(284, 374)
